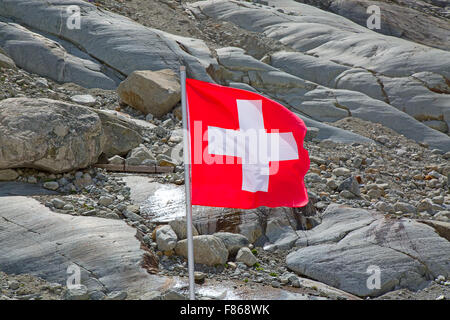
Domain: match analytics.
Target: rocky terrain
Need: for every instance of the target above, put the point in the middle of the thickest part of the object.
(91, 173)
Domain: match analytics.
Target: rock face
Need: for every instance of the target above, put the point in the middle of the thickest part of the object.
(208, 250)
(151, 92)
(43, 243)
(37, 53)
(109, 53)
(326, 80)
(413, 20)
(5, 61)
(50, 135)
(350, 243)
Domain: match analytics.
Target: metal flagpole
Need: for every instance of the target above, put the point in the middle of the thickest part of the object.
(187, 183)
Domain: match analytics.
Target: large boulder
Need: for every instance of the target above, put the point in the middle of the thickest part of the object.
(151, 92)
(353, 244)
(208, 250)
(50, 135)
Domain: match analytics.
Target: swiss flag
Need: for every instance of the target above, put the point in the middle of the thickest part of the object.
(246, 150)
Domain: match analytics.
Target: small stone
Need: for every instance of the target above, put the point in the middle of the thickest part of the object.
(173, 295)
(84, 99)
(374, 193)
(275, 284)
(32, 180)
(438, 199)
(332, 184)
(199, 277)
(105, 201)
(346, 194)
(341, 172)
(441, 297)
(246, 256)
(68, 207)
(58, 203)
(425, 205)
(51, 185)
(14, 285)
(116, 160)
(350, 184)
(404, 207)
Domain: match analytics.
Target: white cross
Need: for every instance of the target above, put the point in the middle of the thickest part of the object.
(253, 145)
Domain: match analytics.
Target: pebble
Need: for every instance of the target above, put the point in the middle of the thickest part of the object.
(51, 185)
(58, 203)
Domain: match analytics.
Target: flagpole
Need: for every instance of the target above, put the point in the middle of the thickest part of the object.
(187, 184)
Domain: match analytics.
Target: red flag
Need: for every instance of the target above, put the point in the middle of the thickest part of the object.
(246, 150)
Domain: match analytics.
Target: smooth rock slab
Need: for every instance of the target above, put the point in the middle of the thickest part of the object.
(408, 254)
(43, 243)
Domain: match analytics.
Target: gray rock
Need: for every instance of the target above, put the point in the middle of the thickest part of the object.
(41, 148)
(138, 155)
(83, 99)
(77, 292)
(404, 207)
(51, 185)
(209, 250)
(8, 175)
(58, 203)
(341, 172)
(341, 250)
(116, 160)
(151, 92)
(27, 223)
(5, 61)
(179, 227)
(105, 201)
(350, 184)
(232, 241)
(166, 238)
(246, 256)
